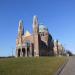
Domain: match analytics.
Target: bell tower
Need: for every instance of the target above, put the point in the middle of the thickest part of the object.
(20, 28)
(19, 39)
(20, 31)
(36, 36)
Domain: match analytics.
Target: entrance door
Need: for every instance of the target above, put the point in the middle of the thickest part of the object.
(19, 50)
(23, 51)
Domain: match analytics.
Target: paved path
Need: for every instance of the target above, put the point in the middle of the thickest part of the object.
(69, 69)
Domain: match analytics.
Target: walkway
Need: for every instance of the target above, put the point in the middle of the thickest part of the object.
(69, 69)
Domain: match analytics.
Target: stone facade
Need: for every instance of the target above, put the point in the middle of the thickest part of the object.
(39, 43)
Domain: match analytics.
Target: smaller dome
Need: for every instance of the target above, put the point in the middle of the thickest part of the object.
(59, 43)
(42, 28)
(55, 40)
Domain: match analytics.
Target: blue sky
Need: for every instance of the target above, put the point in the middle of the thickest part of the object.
(57, 15)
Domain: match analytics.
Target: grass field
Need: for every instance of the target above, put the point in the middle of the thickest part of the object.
(30, 66)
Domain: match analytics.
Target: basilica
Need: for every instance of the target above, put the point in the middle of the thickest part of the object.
(39, 43)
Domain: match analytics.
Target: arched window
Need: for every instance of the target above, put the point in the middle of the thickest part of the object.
(27, 43)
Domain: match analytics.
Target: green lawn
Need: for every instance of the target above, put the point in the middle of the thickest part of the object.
(30, 66)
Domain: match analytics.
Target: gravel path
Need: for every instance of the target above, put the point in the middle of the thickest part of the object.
(69, 69)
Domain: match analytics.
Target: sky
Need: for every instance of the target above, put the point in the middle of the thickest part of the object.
(57, 15)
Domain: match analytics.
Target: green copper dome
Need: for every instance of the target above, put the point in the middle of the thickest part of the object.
(42, 28)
